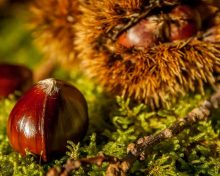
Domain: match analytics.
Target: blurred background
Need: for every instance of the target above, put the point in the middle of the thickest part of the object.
(16, 45)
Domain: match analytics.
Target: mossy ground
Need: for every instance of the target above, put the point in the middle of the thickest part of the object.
(114, 123)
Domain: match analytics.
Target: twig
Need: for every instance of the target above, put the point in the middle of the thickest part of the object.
(76, 164)
(138, 150)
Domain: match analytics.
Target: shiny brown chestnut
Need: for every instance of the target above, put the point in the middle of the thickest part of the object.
(14, 77)
(45, 117)
(142, 35)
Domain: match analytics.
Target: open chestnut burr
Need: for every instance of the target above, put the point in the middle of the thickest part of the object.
(153, 52)
(48, 115)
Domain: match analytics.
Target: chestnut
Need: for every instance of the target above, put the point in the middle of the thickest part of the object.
(45, 117)
(185, 22)
(142, 35)
(14, 77)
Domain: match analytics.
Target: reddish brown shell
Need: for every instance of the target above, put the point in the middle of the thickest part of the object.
(14, 77)
(186, 22)
(142, 35)
(48, 115)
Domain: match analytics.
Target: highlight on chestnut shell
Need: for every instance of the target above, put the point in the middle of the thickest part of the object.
(45, 117)
(14, 77)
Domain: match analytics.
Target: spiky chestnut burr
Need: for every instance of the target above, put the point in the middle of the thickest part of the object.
(14, 77)
(45, 117)
(52, 22)
(160, 67)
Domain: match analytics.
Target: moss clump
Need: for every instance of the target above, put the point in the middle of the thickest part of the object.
(194, 151)
(114, 123)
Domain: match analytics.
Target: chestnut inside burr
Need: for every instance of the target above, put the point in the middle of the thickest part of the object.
(179, 23)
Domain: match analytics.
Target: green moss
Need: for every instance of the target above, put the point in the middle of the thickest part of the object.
(114, 123)
(194, 151)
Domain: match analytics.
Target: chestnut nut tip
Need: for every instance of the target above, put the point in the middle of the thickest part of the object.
(45, 117)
